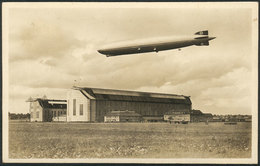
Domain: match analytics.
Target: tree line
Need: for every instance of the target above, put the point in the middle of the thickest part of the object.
(18, 116)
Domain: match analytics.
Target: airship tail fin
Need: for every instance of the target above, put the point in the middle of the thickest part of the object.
(202, 33)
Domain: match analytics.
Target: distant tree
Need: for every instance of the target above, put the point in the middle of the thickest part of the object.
(18, 115)
(28, 115)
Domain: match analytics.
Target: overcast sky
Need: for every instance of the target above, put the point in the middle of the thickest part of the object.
(50, 48)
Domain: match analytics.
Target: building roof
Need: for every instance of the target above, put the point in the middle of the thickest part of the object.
(196, 112)
(50, 103)
(123, 113)
(123, 95)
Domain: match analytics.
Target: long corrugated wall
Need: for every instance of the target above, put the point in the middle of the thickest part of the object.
(143, 108)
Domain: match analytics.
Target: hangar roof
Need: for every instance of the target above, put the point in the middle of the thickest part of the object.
(123, 95)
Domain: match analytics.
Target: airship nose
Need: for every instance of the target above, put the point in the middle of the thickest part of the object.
(104, 52)
(101, 51)
(211, 38)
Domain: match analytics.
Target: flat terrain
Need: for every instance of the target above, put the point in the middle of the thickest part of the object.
(129, 140)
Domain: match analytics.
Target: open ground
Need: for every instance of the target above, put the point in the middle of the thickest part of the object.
(129, 140)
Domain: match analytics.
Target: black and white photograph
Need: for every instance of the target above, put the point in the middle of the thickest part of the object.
(130, 82)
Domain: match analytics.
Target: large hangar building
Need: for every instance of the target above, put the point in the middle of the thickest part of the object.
(93, 104)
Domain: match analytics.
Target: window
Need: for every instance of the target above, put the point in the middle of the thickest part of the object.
(81, 109)
(74, 106)
(37, 114)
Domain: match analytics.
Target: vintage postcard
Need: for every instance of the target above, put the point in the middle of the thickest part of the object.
(132, 82)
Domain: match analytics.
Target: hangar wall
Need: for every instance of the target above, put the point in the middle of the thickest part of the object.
(146, 109)
(78, 106)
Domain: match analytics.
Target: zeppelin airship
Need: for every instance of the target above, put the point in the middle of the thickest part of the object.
(200, 38)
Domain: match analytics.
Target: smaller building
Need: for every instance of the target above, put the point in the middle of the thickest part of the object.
(153, 118)
(47, 110)
(216, 119)
(180, 116)
(232, 118)
(207, 117)
(122, 116)
(198, 116)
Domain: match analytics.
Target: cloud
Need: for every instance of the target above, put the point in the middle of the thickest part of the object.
(38, 75)
(19, 94)
(40, 39)
(230, 93)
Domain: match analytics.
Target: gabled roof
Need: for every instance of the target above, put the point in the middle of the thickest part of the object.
(50, 103)
(196, 112)
(123, 95)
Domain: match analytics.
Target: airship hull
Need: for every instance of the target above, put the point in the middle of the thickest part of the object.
(146, 48)
(156, 46)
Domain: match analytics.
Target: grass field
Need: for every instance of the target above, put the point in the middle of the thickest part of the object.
(129, 140)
